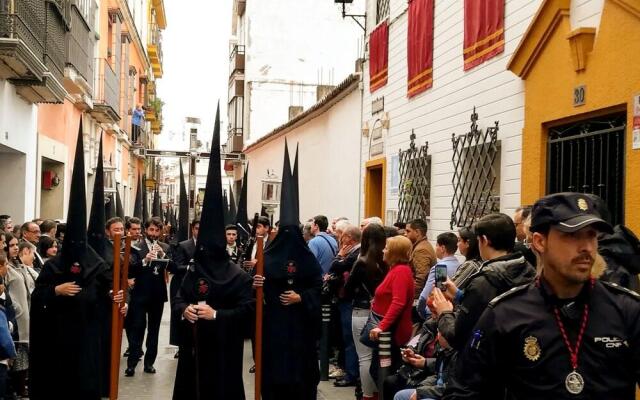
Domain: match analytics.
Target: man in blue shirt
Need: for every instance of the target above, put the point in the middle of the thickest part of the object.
(323, 246)
(137, 120)
(446, 246)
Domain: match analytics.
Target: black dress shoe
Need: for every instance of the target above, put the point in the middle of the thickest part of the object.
(344, 383)
(150, 370)
(252, 370)
(129, 372)
(177, 355)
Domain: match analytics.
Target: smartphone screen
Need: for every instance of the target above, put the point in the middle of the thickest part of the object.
(441, 274)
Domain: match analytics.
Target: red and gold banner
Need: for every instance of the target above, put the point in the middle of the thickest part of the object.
(378, 57)
(420, 47)
(483, 31)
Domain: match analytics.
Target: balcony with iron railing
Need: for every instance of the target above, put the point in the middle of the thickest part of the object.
(107, 93)
(235, 140)
(80, 61)
(154, 48)
(25, 29)
(236, 60)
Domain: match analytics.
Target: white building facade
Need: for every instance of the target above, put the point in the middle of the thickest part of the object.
(447, 197)
(284, 57)
(328, 140)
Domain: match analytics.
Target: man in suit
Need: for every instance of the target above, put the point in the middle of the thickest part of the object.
(148, 296)
(182, 257)
(231, 233)
(31, 233)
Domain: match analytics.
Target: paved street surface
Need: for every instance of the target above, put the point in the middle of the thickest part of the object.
(160, 386)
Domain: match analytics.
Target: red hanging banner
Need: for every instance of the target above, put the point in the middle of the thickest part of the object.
(483, 31)
(420, 47)
(378, 57)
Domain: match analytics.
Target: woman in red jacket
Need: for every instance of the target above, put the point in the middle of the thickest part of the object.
(393, 298)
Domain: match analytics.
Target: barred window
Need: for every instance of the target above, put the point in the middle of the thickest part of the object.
(415, 182)
(382, 10)
(476, 176)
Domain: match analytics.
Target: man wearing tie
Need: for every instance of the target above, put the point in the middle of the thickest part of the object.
(148, 296)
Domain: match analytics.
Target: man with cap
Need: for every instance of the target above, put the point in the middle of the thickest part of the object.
(216, 302)
(292, 319)
(65, 340)
(566, 335)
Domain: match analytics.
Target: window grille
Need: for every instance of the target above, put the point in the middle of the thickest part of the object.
(476, 179)
(415, 182)
(588, 157)
(382, 10)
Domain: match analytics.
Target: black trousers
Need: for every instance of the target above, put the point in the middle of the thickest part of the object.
(143, 315)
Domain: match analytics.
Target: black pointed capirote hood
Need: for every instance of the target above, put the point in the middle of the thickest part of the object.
(183, 224)
(242, 218)
(77, 261)
(97, 218)
(225, 209)
(119, 208)
(145, 200)
(288, 203)
(137, 205)
(157, 207)
(212, 234)
(233, 212)
(296, 186)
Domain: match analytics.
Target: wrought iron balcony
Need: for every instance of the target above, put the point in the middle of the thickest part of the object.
(107, 97)
(80, 63)
(236, 60)
(23, 49)
(236, 115)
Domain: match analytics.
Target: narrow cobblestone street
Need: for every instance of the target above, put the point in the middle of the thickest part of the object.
(160, 386)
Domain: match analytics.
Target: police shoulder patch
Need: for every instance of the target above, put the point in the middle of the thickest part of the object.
(614, 287)
(509, 293)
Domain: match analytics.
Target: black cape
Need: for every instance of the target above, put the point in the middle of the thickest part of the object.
(65, 341)
(291, 333)
(221, 341)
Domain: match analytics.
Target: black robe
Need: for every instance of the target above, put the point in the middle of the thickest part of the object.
(65, 340)
(221, 341)
(291, 333)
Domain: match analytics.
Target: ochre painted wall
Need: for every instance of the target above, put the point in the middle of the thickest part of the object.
(611, 77)
(59, 122)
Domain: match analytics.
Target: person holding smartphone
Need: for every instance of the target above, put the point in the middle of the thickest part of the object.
(446, 246)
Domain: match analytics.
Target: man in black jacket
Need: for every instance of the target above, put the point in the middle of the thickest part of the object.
(182, 258)
(148, 296)
(565, 336)
(500, 271)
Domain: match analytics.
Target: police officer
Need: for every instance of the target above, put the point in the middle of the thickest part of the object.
(565, 336)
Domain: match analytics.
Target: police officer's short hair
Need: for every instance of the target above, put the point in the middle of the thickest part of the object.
(231, 227)
(449, 240)
(499, 229)
(155, 221)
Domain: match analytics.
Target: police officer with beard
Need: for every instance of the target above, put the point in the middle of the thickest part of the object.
(565, 336)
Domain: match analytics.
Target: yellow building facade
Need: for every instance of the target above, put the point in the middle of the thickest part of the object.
(582, 106)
